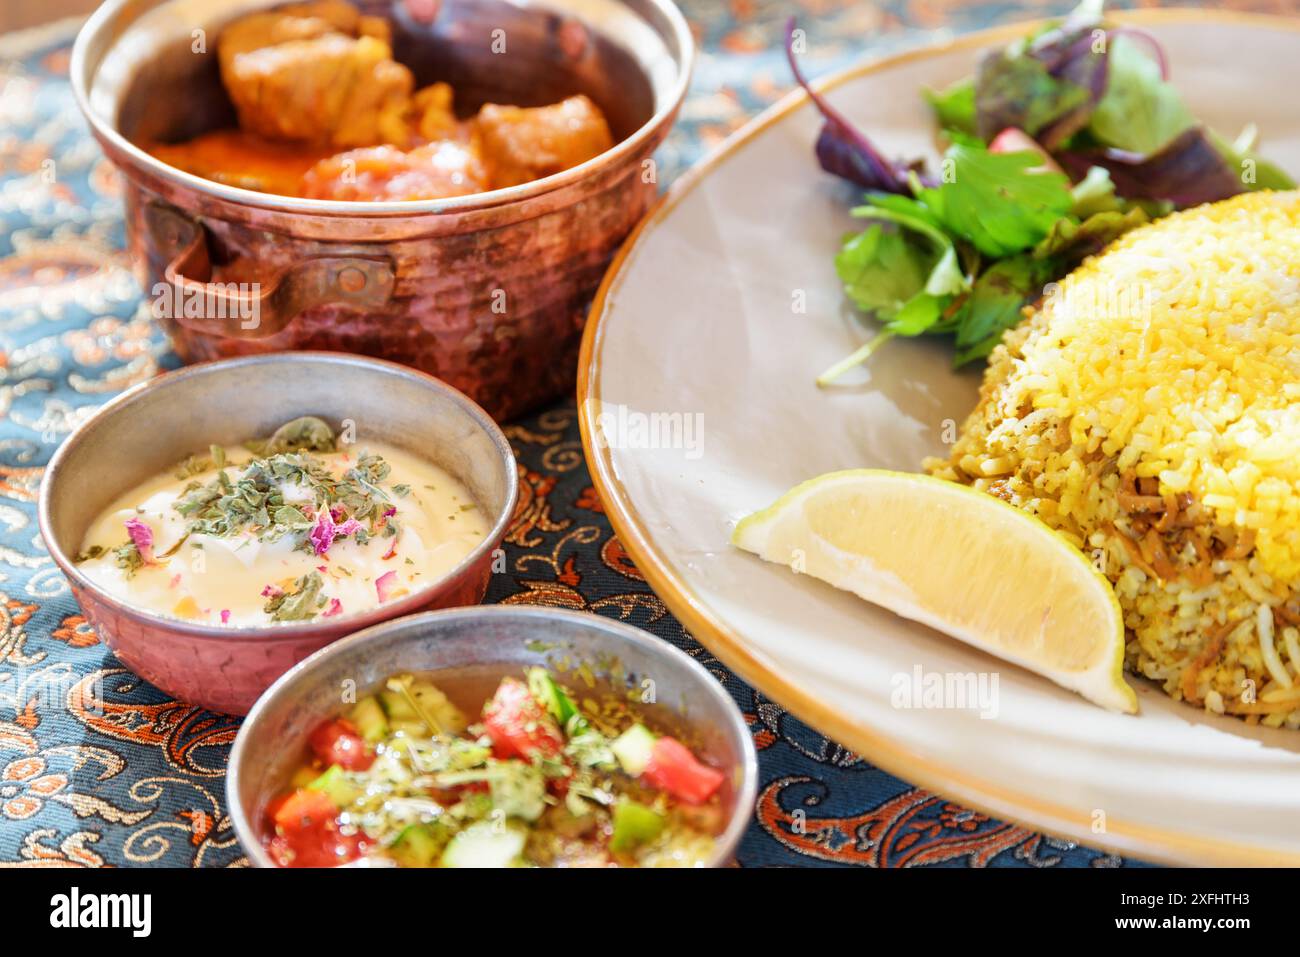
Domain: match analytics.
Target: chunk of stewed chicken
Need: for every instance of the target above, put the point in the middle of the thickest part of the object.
(317, 73)
(521, 144)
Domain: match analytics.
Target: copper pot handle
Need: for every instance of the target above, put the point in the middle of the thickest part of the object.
(256, 310)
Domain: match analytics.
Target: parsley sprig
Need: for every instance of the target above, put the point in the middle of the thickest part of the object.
(965, 257)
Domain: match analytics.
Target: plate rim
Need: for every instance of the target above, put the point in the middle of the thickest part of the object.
(728, 644)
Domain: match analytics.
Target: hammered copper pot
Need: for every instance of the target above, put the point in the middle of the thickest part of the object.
(488, 292)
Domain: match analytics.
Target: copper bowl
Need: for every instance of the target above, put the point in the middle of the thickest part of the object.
(467, 651)
(148, 429)
(488, 292)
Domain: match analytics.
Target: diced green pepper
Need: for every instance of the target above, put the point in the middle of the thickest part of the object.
(634, 824)
(633, 747)
(335, 784)
(370, 720)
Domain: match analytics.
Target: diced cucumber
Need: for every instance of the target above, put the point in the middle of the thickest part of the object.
(421, 699)
(439, 707)
(634, 824)
(415, 727)
(633, 747)
(397, 707)
(485, 844)
(370, 720)
(419, 845)
(551, 696)
(334, 782)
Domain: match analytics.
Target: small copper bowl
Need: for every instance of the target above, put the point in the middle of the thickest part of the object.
(148, 429)
(488, 292)
(467, 651)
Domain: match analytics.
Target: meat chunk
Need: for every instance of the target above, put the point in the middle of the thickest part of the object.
(317, 73)
(521, 144)
(384, 173)
(431, 115)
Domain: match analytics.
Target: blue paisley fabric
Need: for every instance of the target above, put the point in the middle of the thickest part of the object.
(98, 768)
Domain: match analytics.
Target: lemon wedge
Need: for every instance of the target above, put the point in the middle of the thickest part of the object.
(960, 561)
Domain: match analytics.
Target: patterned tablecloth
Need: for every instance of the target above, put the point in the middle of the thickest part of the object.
(137, 779)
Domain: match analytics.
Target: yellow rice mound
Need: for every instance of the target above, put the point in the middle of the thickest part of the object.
(1149, 410)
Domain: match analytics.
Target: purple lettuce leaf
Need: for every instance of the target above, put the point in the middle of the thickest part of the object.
(1047, 88)
(1188, 171)
(845, 151)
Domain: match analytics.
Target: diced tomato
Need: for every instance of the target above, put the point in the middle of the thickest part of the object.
(303, 810)
(319, 847)
(1014, 140)
(338, 742)
(518, 726)
(674, 769)
(307, 832)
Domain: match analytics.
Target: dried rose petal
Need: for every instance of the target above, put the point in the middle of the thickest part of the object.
(335, 608)
(142, 536)
(272, 591)
(321, 535)
(385, 585)
(225, 616)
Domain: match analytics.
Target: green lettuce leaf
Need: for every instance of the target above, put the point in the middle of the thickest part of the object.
(954, 107)
(945, 276)
(994, 201)
(882, 268)
(996, 303)
(1140, 112)
(1070, 241)
(1255, 171)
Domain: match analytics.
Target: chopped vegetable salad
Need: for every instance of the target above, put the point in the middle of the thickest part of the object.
(538, 778)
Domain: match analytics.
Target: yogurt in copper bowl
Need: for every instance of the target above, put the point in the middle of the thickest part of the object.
(278, 549)
(299, 525)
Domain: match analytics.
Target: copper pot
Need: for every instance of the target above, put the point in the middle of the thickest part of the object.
(488, 292)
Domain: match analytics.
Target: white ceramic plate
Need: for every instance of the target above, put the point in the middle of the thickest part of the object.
(699, 317)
